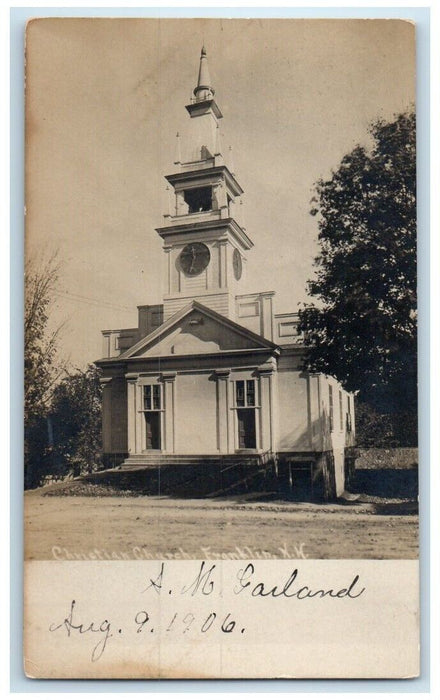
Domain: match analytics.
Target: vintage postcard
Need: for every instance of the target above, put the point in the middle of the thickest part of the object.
(221, 468)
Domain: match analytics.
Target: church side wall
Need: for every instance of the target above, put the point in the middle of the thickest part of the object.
(293, 427)
(315, 411)
(312, 417)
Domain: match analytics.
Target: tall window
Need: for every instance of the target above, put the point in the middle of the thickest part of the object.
(152, 406)
(330, 405)
(245, 393)
(152, 397)
(245, 403)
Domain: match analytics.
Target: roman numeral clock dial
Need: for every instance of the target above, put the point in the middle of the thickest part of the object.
(194, 258)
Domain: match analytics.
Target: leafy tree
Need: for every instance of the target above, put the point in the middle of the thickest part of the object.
(363, 328)
(62, 408)
(40, 345)
(374, 429)
(76, 421)
(41, 365)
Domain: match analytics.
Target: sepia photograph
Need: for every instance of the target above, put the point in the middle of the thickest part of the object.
(221, 333)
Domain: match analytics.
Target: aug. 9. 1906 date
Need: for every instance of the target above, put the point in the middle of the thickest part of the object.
(204, 583)
(183, 623)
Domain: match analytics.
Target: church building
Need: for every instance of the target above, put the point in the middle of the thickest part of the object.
(210, 383)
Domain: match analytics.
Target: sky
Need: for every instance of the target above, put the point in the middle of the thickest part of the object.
(104, 100)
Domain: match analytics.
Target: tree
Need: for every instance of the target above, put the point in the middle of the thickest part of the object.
(41, 369)
(39, 344)
(76, 421)
(62, 407)
(363, 330)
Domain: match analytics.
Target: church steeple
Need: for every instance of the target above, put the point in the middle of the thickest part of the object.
(204, 89)
(204, 243)
(203, 102)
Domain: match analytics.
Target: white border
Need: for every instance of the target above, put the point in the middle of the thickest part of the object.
(254, 8)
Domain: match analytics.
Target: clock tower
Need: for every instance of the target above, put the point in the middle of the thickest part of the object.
(205, 245)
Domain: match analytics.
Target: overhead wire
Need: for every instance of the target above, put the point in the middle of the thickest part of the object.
(90, 300)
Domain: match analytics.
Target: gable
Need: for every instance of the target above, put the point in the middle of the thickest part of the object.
(196, 333)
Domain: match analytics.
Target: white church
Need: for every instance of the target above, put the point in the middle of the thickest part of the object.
(209, 389)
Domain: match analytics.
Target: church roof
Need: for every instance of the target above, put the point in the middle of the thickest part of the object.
(249, 340)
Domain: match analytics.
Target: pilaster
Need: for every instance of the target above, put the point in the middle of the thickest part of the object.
(168, 380)
(131, 412)
(266, 374)
(223, 268)
(106, 414)
(167, 252)
(181, 205)
(223, 433)
(139, 419)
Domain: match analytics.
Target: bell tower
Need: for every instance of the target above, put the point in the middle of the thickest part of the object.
(205, 245)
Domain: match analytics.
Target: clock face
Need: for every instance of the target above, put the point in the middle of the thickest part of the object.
(194, 258)
(237, 264)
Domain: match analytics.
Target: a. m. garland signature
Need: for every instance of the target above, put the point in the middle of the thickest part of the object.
(245, 583)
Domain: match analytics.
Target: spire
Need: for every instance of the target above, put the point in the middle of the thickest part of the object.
(204, 90)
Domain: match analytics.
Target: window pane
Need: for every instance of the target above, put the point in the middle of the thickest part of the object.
(341, 423)
(239, 393)
(250, 392)
(147, 398)
(156, 396)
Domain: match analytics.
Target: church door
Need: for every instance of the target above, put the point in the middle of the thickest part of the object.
(152, 420)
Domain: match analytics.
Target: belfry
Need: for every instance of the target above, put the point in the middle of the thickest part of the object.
(204, 244)
(208, 393)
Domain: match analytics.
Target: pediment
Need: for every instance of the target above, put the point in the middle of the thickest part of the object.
(196, 330)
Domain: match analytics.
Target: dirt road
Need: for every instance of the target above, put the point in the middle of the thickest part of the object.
(144, 527)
